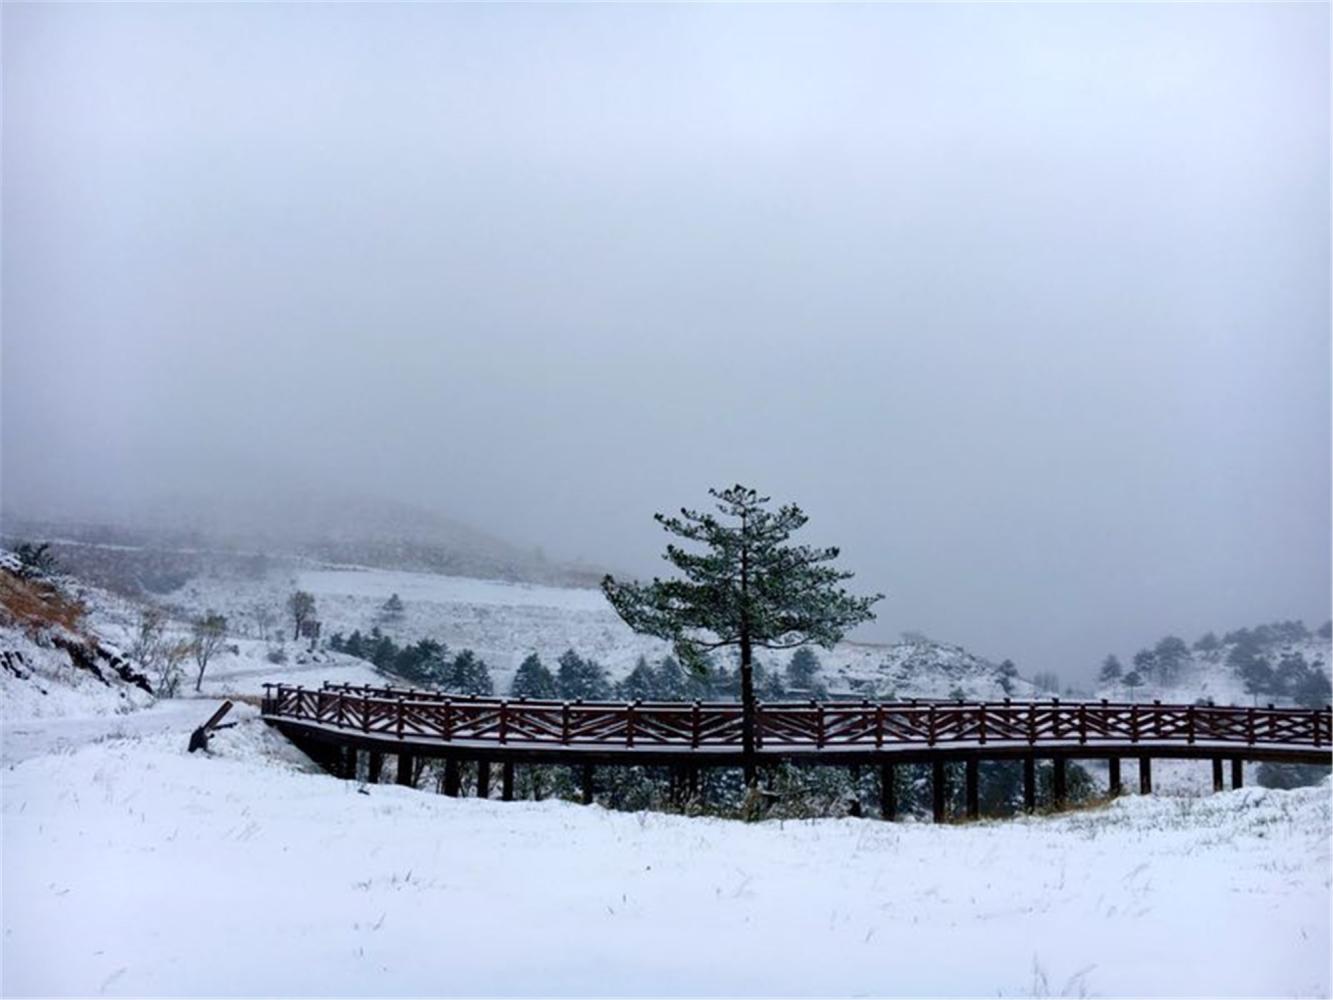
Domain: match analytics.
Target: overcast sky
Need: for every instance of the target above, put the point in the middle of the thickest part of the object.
(1028, 306)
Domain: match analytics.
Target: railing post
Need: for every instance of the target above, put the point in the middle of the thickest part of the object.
(1032, 723)
(342, 719)
(629, 724)
(1189, 724)
(981, 723)
(401, 711)
(758, 723)
(695, 723)
(448, 719)
(1249, 724)
(1316, 717)
(1083, 723)
(564, 722)
(504, 720)
(930, 725)
(819, 723)
(1055, 718)
(879, 725)
(1134, 723)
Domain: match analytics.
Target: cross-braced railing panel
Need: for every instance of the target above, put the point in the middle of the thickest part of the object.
(411, 714)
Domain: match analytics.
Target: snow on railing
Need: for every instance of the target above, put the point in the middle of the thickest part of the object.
(408, 713)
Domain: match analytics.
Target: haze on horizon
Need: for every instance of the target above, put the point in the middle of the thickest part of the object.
(1027, 306)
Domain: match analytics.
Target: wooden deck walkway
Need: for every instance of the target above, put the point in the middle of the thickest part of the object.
(336, 721)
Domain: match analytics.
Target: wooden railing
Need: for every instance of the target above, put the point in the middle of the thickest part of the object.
(410, 714)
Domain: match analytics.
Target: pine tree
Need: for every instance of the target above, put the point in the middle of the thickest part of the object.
(469, 675)
(533, 680)
(802, 669)
(392, 609)
(580, 678)
(671, 682)
(1111, 671)
(1006, 672)
(1132, 681)
(639, 683)
(747, 589)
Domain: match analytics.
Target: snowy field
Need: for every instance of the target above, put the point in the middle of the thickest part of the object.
(504, 622)
(133, 868)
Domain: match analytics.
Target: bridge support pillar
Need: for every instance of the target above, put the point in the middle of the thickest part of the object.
(451, 777)
(507, 781)
(1217, 774)
(587, 785)
(1237, 772)
(888, 792)
(1029, 784)
(939, 788)
(692, 781)
(483, 779)
(1145, 775)
(1116, 786)
(375, 769)
(973, 796)
(405, 770)
(1061, 782)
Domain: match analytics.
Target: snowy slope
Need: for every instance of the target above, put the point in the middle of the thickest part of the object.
(504, 622)
(132, 868)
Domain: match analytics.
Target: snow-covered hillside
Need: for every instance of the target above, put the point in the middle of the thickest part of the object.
(504, 622)
(134, 869)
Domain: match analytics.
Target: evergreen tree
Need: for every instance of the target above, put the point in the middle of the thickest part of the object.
(355, 645)
(1170, 656)
(641, 682)
(671, 682)
(1145, 665)
(392, 609)
(1312, 690)
(1005, 674)
(1132, 681)
(1207, 643)
(469, 675)
(1257, 676)
(1111, 671)
(580, 678)
(747, 589)
(533, 680)
(802, 669)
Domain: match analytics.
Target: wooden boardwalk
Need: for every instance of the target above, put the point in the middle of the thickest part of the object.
(336, 722)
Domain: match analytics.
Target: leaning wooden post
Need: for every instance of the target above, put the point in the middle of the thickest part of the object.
(1116, 787)
(973, 798)
(375, 768)
(1061, 782)
(939, 791)
(587, 784)
(483, 779)
(1029, 784)
(1145, 775)
(1237, 772)
(507, 781)
(888, 793)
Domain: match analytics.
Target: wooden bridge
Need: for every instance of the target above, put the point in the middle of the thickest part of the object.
(337, 722)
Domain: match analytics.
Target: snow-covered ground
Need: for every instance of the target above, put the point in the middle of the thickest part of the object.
(133, 868)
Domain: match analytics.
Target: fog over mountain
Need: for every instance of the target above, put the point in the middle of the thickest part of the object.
(1027, 306)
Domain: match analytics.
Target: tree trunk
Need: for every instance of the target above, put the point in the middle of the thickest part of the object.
(747, 711)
